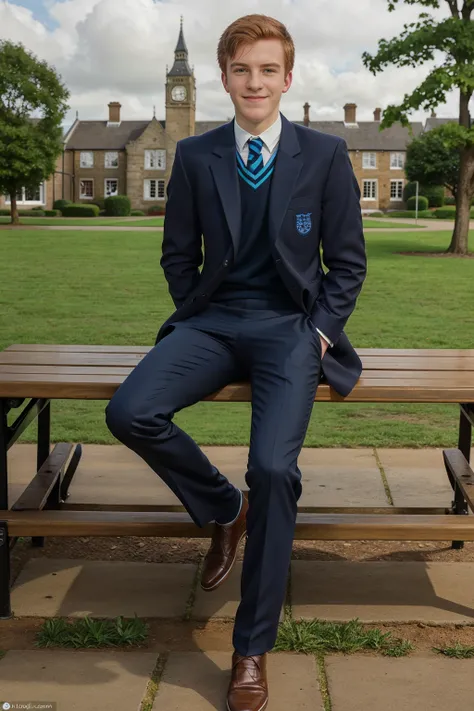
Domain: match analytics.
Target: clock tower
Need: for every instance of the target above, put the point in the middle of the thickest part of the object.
(180, 94)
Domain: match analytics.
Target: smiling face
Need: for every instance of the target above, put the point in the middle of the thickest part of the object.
(255, 79)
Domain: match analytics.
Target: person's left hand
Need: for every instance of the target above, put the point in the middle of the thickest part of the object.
(324, 346)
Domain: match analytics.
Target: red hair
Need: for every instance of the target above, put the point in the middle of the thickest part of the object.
(250, 29)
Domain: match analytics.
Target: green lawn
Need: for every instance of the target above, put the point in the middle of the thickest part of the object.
(104, 287)
(391, 225)
(150, 222)
(88, 221)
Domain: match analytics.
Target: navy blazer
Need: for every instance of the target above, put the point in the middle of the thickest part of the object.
(314, 203)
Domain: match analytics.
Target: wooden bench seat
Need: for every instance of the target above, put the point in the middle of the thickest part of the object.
(326, 526)
(39, 373)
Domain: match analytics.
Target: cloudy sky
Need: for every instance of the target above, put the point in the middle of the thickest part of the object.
(117, 50)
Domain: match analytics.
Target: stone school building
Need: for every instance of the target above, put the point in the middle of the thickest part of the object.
(117, 157)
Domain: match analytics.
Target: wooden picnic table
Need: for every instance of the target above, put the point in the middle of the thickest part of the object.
(32, 375)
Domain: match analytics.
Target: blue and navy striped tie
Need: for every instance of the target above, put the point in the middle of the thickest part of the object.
(255, 173)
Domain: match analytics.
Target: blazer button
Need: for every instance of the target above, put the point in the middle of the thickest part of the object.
(226, 263)
(277, 261)
(203, 296)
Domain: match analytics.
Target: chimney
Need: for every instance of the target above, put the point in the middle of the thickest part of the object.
(306, 114)
(433, 113)
(350, 113)
(377, 114)
(114, 111)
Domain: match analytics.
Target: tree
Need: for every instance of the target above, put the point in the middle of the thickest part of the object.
(29, 146)
(421, 42)
(433, 158)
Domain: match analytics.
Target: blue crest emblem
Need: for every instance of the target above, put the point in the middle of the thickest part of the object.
(303, 223)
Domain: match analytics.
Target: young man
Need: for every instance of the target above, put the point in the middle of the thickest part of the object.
(265, 194)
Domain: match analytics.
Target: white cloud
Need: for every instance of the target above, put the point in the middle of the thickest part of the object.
(117, 50)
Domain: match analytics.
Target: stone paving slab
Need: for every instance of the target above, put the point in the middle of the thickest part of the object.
(383, 591)
(198, 682)
(363, 683)
(77, 681)
(114, 474)
(416, 477)
(222, 602)
(48, 587)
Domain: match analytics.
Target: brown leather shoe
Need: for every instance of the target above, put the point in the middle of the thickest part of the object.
(221, 555)
(248, 688)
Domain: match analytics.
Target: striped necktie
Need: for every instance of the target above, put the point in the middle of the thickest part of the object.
(255, 173)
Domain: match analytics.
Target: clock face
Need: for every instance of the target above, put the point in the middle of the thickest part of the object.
(178, 93)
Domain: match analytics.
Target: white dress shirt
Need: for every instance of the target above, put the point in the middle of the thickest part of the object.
(270, 138)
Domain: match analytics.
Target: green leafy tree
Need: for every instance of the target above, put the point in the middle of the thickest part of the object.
(433, 158)
(421, 42)
(29, 146)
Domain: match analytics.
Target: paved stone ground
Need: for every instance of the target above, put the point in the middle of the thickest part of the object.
(195, 678)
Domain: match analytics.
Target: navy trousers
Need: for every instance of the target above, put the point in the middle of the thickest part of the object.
(278, 350)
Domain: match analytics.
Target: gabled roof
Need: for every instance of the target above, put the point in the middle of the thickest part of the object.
(96, 135)
(435, 122)
(366, 136)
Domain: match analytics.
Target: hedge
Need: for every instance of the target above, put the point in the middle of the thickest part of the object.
(78, 210)
(156, 210)
(61, 204)
(23, 213)
(117, 206)
(422, 203)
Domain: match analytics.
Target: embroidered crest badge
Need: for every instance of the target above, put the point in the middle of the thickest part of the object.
(303, 223)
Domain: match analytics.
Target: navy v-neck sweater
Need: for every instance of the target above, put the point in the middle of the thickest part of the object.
(253, 274)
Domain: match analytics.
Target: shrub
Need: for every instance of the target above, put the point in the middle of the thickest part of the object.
(449, 213)
(31, 213)
(450, 200)
(422, 203)
(52, 213)
(61, 204)
(156, 210)
(117, 205)
(411, 213)
(39, 208)
(100, 202)
(435, 195)
(137, 213)
(79, 210)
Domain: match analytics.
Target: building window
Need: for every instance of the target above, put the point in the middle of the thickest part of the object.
(369, 160)
(154, 189)
(369, 191)
(396, 190)
(111, 187)
(155, 160)
(29, 196)
(111, 159)
(87, 189)
(397, 161)
(87, 159)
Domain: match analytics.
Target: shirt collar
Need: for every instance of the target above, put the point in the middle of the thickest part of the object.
(270, 136)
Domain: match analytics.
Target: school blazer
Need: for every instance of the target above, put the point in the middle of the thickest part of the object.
(314, 212)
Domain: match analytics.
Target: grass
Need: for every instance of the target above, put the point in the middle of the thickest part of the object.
(457, 651)
(87, 632)
(108, 288)
(322, 637)
(152, 222)
(87, 221)
(378, 224)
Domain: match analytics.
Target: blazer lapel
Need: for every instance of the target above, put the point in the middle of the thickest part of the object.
(224, 169)
(288, 166)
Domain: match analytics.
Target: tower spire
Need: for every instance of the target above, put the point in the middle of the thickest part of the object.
(181, 67)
